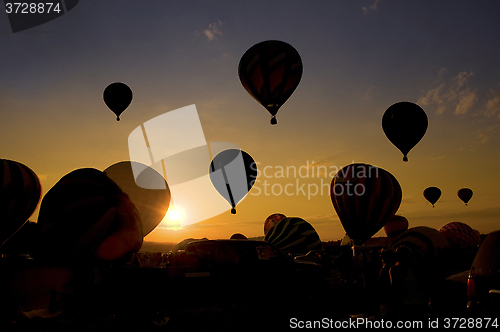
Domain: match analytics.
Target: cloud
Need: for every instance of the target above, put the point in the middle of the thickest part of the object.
(370, 8)
(493, 104)
(213, 30)
(455, 94)
(487, 133)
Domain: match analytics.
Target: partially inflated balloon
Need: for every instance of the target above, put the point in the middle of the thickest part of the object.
(117, 97)
(149, 191)
(424, 241)
(238, 236)
(272, 220)
(294, 235)
(20, 193)
(365, 197)
(432, 194)
(233, 173)
(404, 124)
(270, 71)
(86, 217)
(465, 194)
(395, 226)
(461, 235)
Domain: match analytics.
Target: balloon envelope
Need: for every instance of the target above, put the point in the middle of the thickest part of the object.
(364, 197)
(149, 191)
(404, 124)
(423, 240)
(272, 220)
(20, 193)
(238, 236)
(461, 235)
(233, 173)
(294, 235)
(432, 194)
(465, 194)
(117, 96)
(395, 226)
(86, 217)
(270, 71)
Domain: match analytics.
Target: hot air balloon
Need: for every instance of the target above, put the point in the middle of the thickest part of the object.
(149, 191)
(294, 235)
(233, 173)
(432, 194)
(272, 220)
(395, 226)
(238, 236)
(20, 193)
(461, 235)
(404, 124)
(465, 194)
(423, 241)
(270, 71)
(365, 197)
(117, 96)
(86, 217)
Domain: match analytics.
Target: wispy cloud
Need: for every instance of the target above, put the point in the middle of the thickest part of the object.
(370, 8)
(493, 104)
(456, 94)
(213, 30)
(487, 133)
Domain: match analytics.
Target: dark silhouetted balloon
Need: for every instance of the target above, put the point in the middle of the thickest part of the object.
(233, 173)
(20, 193)
(270, 71)
(432, 194)
(404, 124)
(365, 197)
(149, 191)
(465, 194)
(422, 240)
(294, 235)
(117, 97)
(272, 220)
(461, 235)
(395, 226)
(86, 217)
(238, 236)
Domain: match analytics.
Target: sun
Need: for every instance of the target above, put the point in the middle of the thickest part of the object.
(173, 214)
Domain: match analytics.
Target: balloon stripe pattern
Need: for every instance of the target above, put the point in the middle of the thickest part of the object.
(364, 197)
(20, 194)
(294, 235)
(270, 71)
(423, 240)
(272, 220)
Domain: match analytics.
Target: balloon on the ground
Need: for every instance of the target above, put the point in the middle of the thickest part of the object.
(148, 191)
(85, 217)
(233, 173)
(20, 193)
(395, 226)
(461, 235)
(270, 71)
(272, 220)
(238, 236)
(404, 124)
(432, 194)
(465, 194)
(117, 96)
(364, 197)
(294, 235)
(424, 241)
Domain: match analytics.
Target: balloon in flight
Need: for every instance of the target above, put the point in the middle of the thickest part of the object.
(117, 96)
(148, 191)
(364, 197)
(270, 71)
(432, 194)
(85, 217)
(465, 194)
(404, 124)
(233, 173)
(20, 193)
(272, 220)
(294, 235)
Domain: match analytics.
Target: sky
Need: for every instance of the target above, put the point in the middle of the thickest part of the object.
(359, 58)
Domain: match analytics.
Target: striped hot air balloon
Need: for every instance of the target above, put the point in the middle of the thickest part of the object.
(19, 196)
(422, 240)
(270, 71)
(294, 235)
(461, 235)
(365, 197)
(272, 220)
(86, 217)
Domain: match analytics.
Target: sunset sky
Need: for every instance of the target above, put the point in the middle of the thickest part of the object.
(359, 58)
